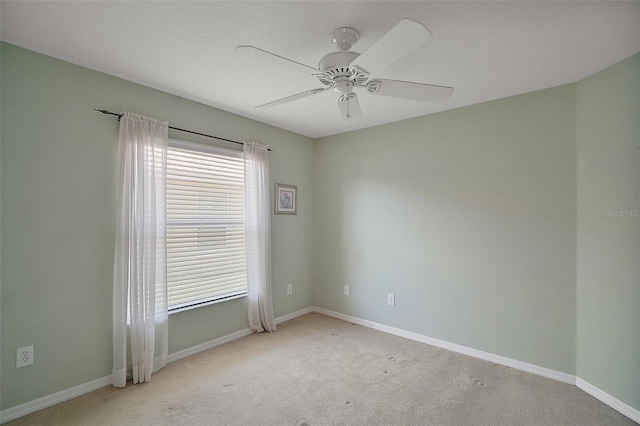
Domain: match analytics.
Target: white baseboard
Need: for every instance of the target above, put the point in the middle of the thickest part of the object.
(498, 359)
(233, 336)
(599, 394)
(611, 401)
(294, 315)
(76, 391)
(53, 399)
(208, 345)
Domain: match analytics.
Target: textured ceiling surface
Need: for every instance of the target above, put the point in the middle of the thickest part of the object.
(485, 50)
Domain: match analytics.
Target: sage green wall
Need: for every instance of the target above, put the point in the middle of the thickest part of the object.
(608, 249)
(59, 183)
(468, 216)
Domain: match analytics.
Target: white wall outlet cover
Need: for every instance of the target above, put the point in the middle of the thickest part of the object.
(289, 288)
(346, 290)
(24, 356)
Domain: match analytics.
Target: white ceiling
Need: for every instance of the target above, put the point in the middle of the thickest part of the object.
(485, 50)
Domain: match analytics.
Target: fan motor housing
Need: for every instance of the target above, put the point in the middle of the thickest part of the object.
(335, 66)
(339, 60)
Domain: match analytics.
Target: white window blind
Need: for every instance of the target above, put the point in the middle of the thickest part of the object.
(206, 258)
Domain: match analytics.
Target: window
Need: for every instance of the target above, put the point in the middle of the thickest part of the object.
(206, 259)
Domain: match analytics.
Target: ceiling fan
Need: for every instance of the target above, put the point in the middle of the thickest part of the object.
(346, 70)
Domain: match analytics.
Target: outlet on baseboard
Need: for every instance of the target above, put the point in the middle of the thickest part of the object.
(24, 356)
(391, 299)
(346, 290)
(289, 288)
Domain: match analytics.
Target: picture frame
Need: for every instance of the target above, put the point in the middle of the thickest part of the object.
(286, 199)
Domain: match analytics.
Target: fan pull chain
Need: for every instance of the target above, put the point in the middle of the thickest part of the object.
(348, 115)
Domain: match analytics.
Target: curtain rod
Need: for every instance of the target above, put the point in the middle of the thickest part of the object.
(104, 111)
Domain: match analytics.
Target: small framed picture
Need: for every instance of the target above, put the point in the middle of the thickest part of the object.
(286, 202)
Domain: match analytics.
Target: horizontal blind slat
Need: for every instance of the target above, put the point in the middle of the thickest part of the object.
(187, 288)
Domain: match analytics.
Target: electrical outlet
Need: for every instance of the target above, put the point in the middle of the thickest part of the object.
(289, 288)
(391, 299)
(24, 356)
(346, 290)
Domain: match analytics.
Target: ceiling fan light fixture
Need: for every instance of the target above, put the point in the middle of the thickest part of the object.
(343, 87)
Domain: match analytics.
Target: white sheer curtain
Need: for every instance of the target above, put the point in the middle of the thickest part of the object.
(258, 237)
(139, 275)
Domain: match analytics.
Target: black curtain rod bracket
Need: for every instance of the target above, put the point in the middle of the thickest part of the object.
(104, 111)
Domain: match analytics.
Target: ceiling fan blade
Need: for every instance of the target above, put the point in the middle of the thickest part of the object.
(293, 97)
(263, 55)
(410, 90)
(350, 109)
(398, 42)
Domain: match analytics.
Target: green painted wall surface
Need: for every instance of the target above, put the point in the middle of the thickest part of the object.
(608, 249)
(58, 188)
(467, 216)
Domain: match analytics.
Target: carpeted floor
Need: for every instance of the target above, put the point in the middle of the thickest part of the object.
(318, 370)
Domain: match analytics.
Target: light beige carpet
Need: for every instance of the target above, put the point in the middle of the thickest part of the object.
(318, 370)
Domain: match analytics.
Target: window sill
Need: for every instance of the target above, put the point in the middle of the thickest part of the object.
(209, 303)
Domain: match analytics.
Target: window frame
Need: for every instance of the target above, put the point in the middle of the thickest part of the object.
(206, 149)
